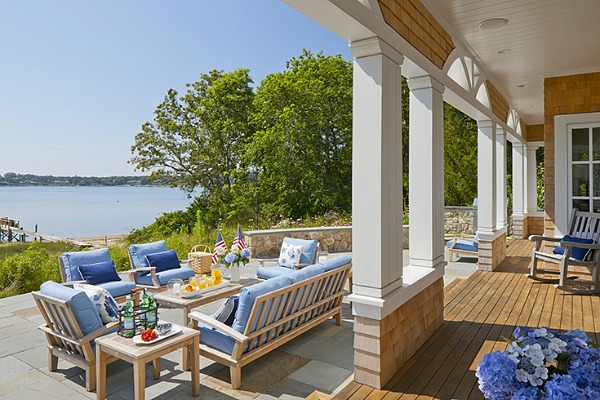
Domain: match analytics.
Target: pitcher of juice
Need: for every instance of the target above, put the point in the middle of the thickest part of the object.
(216, 274)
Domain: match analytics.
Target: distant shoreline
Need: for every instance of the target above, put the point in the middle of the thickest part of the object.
(103, 241)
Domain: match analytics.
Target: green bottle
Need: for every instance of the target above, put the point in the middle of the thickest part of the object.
(152, 316)
(128, 318)
(144, 304)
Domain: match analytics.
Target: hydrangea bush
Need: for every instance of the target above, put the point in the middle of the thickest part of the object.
(542, 364)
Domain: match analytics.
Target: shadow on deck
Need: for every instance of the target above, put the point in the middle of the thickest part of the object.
(478, 313)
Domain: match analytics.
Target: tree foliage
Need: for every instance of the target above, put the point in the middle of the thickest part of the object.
(460, 157)
(302, 148)
(199, 140)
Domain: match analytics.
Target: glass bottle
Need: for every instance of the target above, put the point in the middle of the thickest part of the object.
(144, 303)
(152, 313)
(128, 319)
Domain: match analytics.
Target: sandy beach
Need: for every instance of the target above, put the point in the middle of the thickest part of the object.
(103, 241)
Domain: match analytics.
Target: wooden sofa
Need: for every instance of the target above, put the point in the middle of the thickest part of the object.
(274, 312)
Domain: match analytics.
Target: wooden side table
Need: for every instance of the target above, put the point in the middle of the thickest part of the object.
(138, 355)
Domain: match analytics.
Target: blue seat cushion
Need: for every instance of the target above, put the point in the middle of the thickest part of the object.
(118, 288)
(163, 260)
(336, 262)
(100, 272)
(465, 245)
(73, 260)
(83, 308)
(249, 294)
(309, 248)
(138, 252)
(273, 271)
(215, 339)
(165, 276)
(307, 272)
(578, 253)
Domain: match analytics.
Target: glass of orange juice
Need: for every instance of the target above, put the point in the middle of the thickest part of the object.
(202, 282)
(216, 274)
(210, 281)
(194, 282)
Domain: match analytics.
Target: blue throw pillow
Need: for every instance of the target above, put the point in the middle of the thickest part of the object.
(578, 253)
(226, 313)
(163, 261)
(99, 272)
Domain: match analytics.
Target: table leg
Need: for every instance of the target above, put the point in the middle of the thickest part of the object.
(156, 365)
(185, 365)
(100, 373)
(194, 353)
(139, 380)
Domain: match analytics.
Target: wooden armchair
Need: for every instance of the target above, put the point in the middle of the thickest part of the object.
(579, 248)
(69, 337)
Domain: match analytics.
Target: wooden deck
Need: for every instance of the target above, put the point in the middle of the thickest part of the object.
(479, 312)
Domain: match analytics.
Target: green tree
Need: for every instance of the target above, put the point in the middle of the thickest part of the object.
(198, 140)
(460, 159)
(302, 148)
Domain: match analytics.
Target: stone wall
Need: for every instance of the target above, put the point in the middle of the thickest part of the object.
(267, 243)
(458, 220)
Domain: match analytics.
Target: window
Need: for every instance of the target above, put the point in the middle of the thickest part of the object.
(584, 170)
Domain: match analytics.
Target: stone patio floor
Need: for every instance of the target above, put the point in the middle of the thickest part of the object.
(319, 360)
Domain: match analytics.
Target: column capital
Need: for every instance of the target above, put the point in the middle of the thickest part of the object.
(375, 46)
(425, 82)
(485, 123)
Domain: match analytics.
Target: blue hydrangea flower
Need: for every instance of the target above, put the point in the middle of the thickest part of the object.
(245, 253)
(230, 258)
(497, 376)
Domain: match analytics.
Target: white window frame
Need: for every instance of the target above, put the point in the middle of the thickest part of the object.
(589, 163)
(562, 155)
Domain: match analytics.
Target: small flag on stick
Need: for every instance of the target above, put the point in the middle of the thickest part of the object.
(219, 244)
(238, 241)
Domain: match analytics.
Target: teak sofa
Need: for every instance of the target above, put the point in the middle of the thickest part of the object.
(274, 312)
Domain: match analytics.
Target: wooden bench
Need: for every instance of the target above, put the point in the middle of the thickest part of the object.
(277, 317)
(583, 225)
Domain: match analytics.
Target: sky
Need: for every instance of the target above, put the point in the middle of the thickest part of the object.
(78, 78)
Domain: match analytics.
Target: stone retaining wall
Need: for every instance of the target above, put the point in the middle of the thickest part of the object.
(267, 243)
(458, 220)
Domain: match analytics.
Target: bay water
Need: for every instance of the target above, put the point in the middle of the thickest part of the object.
(84, 211)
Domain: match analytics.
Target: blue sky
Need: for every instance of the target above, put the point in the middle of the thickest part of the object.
(78, 78)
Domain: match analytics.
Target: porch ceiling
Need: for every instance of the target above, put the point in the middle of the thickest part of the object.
(546, 38)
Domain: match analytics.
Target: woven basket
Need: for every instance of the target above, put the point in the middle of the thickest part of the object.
(199, 259)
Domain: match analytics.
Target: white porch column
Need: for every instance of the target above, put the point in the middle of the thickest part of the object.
(396, 308)
(426, 171)
(377, 169)
(518, 175)
(501, 205)
(486, 177)
(531, 182)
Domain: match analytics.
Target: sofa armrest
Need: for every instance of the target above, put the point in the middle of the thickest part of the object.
(538, 239)
(569, 244)
(86, 339)
(197, 316)
(134, 271)
(71, 283)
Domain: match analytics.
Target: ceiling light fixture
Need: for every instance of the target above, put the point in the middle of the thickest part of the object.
(493, 23)
(503, 51)
(521, 86)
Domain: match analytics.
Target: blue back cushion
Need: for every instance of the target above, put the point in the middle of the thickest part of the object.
(101, 272)
(309, 248)
(73, 260)
(138, 252)
(82, 307)
(336, 262)
(577, 253)
(248, 296)
(163, 261)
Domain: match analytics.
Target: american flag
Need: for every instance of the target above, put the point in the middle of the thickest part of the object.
(219, 244)
(238, 240)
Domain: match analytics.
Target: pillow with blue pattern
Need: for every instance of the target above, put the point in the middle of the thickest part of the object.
(226, 313)
(290, 255)
(105, 304)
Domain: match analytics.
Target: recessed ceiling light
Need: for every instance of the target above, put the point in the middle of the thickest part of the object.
(521, 86)
(503, 51)
(493, 23)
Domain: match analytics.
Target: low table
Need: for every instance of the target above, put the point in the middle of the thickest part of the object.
(167, 299)
(140, 354)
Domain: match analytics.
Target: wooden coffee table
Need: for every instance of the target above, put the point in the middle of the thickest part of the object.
(167, 299)
(114, 345)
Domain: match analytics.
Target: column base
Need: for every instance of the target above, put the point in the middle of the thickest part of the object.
(381, 347)
(492, 252)
(526, 225)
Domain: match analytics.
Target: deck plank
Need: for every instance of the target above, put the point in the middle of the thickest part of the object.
(479, 312)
